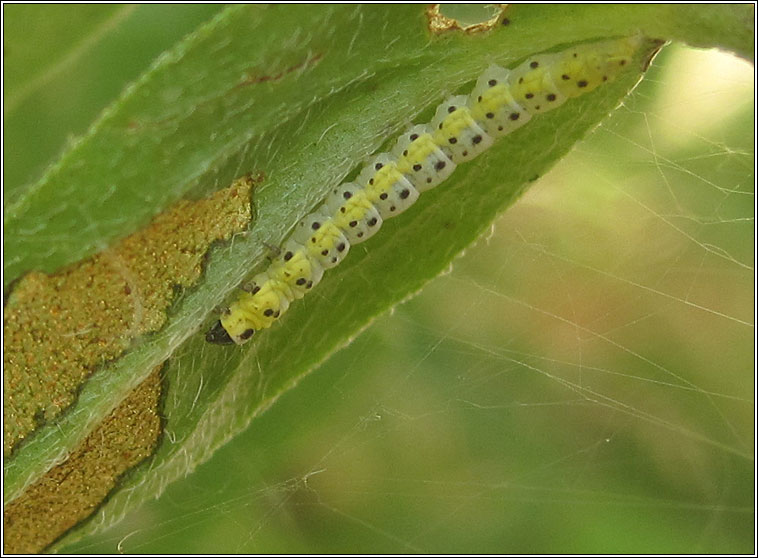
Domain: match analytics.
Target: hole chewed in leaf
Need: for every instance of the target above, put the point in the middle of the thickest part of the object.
(442, 23)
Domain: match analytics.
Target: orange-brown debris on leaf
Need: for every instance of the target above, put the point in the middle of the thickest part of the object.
(60, 328)
(72, 490)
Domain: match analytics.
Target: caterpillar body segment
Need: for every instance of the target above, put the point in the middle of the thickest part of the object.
(532, 85)
(420, 159)
(456, 132)
(252, 311)
(386, 187)
(353, 213)
(463, 127)
(295, 271)
(322, 240)
(493, 106)
(583, 68)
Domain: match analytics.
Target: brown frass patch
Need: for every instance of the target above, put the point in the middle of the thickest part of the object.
(59, 328)
(73, 490)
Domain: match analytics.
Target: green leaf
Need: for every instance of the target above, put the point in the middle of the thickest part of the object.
(302, 94)
(56, 85)
(30, 63)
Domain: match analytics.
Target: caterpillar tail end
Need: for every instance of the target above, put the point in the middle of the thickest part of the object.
(217, 335)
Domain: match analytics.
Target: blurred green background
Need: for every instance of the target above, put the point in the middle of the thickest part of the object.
(582, 381)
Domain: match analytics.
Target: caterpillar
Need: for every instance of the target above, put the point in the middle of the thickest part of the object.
(463, 127)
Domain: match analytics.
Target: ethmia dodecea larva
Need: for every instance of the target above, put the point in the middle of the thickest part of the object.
(463, 127)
